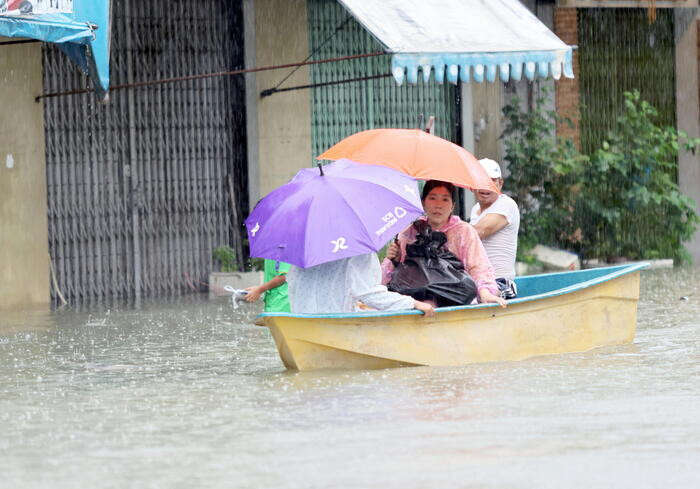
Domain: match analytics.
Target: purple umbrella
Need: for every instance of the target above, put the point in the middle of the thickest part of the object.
(337, 211)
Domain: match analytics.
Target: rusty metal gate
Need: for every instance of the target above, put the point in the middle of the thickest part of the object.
(140, 190)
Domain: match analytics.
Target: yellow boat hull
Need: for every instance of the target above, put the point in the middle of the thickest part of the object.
(601, 314)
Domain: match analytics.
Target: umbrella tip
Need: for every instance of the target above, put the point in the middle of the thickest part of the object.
(320, 168)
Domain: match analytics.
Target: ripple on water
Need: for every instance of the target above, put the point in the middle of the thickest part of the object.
(194, 392)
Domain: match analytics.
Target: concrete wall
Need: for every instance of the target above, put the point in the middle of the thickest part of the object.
(279, 125)
(487, 100)
(687, 22)
(468, 140)
(24, 265)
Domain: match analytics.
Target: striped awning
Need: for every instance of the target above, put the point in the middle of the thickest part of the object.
(463, 40)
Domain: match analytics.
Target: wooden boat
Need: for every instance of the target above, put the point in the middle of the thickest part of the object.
(554, 313)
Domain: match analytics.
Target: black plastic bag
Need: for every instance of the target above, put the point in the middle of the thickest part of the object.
(432, 272)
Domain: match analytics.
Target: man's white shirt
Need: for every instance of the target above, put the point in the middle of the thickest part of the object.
(501, 246)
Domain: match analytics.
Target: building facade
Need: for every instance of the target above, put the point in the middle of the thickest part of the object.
(127, 200)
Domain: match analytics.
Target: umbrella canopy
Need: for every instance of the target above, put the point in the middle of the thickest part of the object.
(415, 153)
(340, 210)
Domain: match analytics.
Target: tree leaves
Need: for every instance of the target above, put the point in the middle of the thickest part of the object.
(620, 199)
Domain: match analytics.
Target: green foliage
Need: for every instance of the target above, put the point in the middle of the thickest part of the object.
(253, 264)
(622, 200)
(544, 174)
(256, 264)
(524, 255)
(636, 208)
(226, 258)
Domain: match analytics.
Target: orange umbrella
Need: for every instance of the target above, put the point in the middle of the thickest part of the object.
(415, 153)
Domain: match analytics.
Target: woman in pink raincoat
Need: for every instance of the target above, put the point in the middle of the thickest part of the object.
(462, 240)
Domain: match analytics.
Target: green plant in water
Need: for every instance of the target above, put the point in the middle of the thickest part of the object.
(622, 200)
(543, 175)
(634, 207)
(226, 258)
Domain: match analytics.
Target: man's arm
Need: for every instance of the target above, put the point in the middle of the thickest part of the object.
(489, 224)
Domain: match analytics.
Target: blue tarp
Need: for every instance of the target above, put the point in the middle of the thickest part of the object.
(463, 40)
(83, 34)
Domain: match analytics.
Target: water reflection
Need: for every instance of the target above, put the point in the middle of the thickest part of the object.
(26, 320)
(192, 393)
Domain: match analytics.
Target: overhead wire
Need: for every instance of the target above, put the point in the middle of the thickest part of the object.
(208, 75)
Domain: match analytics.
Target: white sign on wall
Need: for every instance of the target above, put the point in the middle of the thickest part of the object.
(34, 7)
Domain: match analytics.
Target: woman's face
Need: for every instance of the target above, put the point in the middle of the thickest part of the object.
(438, 206)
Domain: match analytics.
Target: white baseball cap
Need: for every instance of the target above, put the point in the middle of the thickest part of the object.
(493, 169)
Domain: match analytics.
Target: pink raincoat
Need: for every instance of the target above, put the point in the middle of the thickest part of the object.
(464, 242)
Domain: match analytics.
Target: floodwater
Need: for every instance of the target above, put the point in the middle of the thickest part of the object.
(192, 395)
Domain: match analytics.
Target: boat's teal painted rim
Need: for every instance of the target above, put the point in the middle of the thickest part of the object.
(615, 271)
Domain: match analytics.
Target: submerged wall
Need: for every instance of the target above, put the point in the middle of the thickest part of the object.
(24, 256)
(279, 126)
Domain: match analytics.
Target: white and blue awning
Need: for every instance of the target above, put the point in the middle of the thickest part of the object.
(463, 40)
(81, 30)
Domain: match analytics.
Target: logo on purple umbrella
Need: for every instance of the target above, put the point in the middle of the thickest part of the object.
(255, 229)
(390, 219)
(339, 244)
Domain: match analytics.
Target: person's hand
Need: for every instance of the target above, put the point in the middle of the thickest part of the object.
(253, 294)
(487, 296)
(392, 252)
(425, 308)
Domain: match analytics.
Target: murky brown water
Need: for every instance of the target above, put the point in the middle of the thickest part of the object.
(190, 395)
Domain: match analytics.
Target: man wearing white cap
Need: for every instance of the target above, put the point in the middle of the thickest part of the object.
(497, 219)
